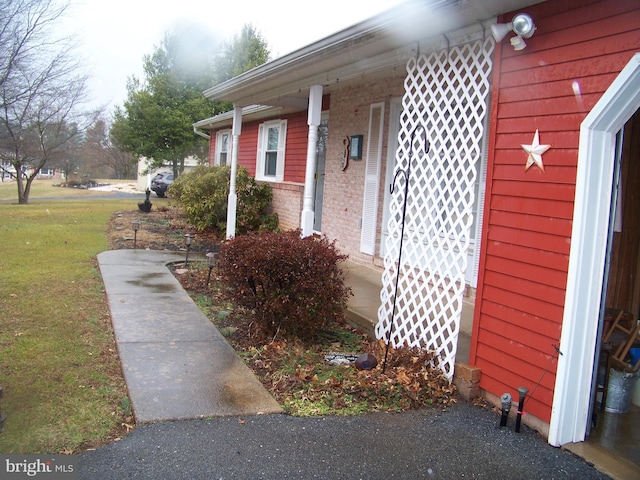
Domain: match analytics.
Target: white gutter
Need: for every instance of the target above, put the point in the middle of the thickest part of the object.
(201, 133)
(247, 112)
(351, 49)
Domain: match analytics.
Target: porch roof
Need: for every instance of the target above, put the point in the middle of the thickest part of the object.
(376, 45)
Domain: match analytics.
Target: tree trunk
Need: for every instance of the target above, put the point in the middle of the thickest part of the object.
(24, 188)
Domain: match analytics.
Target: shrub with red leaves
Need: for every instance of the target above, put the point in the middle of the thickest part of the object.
(293, 285)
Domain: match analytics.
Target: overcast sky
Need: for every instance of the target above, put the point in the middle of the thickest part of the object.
(115, 34)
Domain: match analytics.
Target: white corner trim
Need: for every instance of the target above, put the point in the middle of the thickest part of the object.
(594, 182)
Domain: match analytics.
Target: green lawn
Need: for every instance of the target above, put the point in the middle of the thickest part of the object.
(63, 387)
(48, 189)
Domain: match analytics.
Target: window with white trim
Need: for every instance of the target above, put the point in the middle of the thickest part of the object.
(223, 138)
(272, 138)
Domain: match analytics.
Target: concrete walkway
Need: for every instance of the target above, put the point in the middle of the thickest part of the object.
(176, 364)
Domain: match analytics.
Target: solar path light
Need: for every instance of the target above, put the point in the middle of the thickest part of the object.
(187, 242)
(212, 260)
(136, 227)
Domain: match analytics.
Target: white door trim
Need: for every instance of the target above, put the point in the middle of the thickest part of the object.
(596, 155)
(395, 110)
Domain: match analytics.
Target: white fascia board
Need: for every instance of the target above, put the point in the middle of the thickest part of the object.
(222, 119)
(380, 37)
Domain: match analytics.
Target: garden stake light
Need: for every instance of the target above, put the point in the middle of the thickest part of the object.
(506, 401)
(136, 227)
(522, 391)
(187, 241)
(407, 174)
(212, 260)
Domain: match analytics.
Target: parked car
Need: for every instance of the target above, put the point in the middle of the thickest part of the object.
(161, 182)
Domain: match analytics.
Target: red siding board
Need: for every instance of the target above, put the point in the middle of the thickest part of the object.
(552, 174)
(515, 372)
(544, 276)
(520, 322)
(569, 70)
(528, 255)
(597, 43)
(541, 241)
(248, 147)
(535, 306)
(546, 123)
(533, 405)
(556, 18)
(495, 351)
(562, 88)
(557, 140)
(532, 223)
(562, 157)
(550, 191)
(296, 151)
(551, 106)
(531, 339)
(515, 282)
(537, 206)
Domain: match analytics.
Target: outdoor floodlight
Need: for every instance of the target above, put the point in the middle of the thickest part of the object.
(522, 25)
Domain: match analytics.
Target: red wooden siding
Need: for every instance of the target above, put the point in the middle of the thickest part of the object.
(578, 50)
(248, 147)
(295, 152)
(212, 148)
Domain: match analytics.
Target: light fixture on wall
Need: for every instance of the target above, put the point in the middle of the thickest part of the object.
(522, 25)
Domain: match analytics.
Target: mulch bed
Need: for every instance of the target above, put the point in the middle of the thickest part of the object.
(296, 373)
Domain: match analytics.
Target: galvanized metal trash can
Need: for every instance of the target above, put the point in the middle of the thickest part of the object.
(619, 391)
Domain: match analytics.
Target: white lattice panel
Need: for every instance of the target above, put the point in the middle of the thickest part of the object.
(444, 106)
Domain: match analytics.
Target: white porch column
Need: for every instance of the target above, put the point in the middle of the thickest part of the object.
(232, 201)
(313, 120)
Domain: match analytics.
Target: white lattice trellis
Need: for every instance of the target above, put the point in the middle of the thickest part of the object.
(444, 104)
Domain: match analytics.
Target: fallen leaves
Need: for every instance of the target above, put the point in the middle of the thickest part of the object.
(296, 374)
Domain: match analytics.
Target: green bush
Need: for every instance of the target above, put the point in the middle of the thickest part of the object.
(293, 285)
(202, 196)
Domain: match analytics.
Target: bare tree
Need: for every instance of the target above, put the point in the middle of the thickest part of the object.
(41, 88)
(102, 150)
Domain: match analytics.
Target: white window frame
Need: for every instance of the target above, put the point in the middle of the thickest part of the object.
(263, 132)
(219, 150)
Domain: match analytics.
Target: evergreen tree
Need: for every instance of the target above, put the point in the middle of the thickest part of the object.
(156, 121)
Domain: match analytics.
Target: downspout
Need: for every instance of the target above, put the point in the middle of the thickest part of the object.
(313, 120)
(200, 133)
(232, 201)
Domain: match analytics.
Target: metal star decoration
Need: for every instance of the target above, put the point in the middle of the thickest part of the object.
(535, 151)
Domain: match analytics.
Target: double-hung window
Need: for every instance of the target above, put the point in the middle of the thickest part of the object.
(271, 145)
(223, 138)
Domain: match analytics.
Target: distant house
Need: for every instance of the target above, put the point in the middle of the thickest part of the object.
(505, 165)
(146, 172)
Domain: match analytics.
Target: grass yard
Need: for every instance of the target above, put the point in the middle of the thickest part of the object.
(47, 189)
(63, 387)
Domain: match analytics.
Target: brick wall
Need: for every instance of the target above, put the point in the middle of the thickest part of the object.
(287, 202)
(343, 192)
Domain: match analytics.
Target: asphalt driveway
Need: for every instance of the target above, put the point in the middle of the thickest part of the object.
(463, 442)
